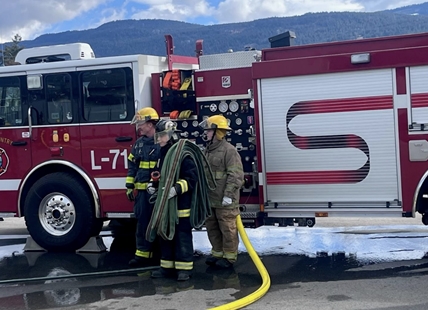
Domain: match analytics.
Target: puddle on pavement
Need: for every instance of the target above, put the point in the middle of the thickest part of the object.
(73, 289)
(54, 293)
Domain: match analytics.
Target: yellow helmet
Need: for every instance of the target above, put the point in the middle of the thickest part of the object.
(145, 114)
(215, 122)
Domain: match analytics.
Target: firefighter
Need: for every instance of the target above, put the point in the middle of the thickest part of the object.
(226, 165)
(177, 253)
(141, 163)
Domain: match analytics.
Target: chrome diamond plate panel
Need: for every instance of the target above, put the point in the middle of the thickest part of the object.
(227, 60)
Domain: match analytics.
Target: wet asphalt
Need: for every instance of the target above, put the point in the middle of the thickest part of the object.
(43, 280)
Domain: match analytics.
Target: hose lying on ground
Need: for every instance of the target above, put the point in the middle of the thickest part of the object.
(253, 297)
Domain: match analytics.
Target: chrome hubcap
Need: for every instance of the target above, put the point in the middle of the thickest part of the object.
(57, 214)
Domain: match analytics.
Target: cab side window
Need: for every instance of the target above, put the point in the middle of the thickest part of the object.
(58, 97)
(106, 95)
(10, 102)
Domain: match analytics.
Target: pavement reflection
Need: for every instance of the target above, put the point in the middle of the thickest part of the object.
(73, 289)
(244, 279)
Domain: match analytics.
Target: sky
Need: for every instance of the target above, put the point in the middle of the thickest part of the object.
(30, 18)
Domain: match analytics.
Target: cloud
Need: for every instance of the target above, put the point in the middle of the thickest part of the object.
(28, 17)
(229, 11)
(110, 14)
(238, 10)
(379, 5)
(185, 10)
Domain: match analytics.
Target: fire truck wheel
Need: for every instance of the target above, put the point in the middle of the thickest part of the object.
(96, 228)
(59, 212)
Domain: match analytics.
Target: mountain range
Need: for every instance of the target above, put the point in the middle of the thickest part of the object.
(126, 37)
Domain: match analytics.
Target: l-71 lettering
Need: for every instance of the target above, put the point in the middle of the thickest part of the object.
(116, 153)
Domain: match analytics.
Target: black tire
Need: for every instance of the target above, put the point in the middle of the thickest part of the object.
(123, 227)
(96, 228)
(59, 212)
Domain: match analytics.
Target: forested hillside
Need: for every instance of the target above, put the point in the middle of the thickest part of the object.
(147, 36)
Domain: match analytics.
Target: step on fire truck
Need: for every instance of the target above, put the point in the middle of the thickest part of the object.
(332, 129)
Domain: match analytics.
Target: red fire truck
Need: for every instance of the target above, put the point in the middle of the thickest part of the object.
(332, 129)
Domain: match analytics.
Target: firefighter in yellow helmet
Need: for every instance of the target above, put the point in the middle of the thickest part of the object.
(141, 163)
(141, 118)
(226, 165)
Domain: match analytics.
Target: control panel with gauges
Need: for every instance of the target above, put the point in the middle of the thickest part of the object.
(212, 92)
(240, 116)
(229, 92)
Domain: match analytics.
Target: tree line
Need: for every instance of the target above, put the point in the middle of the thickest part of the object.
(10, 50)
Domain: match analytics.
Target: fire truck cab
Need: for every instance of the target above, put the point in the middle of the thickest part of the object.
(331, 129)
(65, 135)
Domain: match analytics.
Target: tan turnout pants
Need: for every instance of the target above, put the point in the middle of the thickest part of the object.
(223, 233)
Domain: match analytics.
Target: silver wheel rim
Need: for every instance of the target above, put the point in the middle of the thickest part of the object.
(57, 214)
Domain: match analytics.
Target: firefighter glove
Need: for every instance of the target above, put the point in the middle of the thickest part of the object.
(172, 192)
(130, 194)
(227, 201)
(150, 188)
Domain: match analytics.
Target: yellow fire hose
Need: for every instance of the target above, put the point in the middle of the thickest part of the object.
(253, 297)
(161, 224)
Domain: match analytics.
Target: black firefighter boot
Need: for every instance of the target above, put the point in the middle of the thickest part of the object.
(163, 273)
(210, 261)
(138, 261)
(224, 263)
(184, 275)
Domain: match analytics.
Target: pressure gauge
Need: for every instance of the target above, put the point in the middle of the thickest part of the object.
(195, 123)
(233, 106)
(213, 107)
(184, 124)
(238, 121)
(223, 107)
